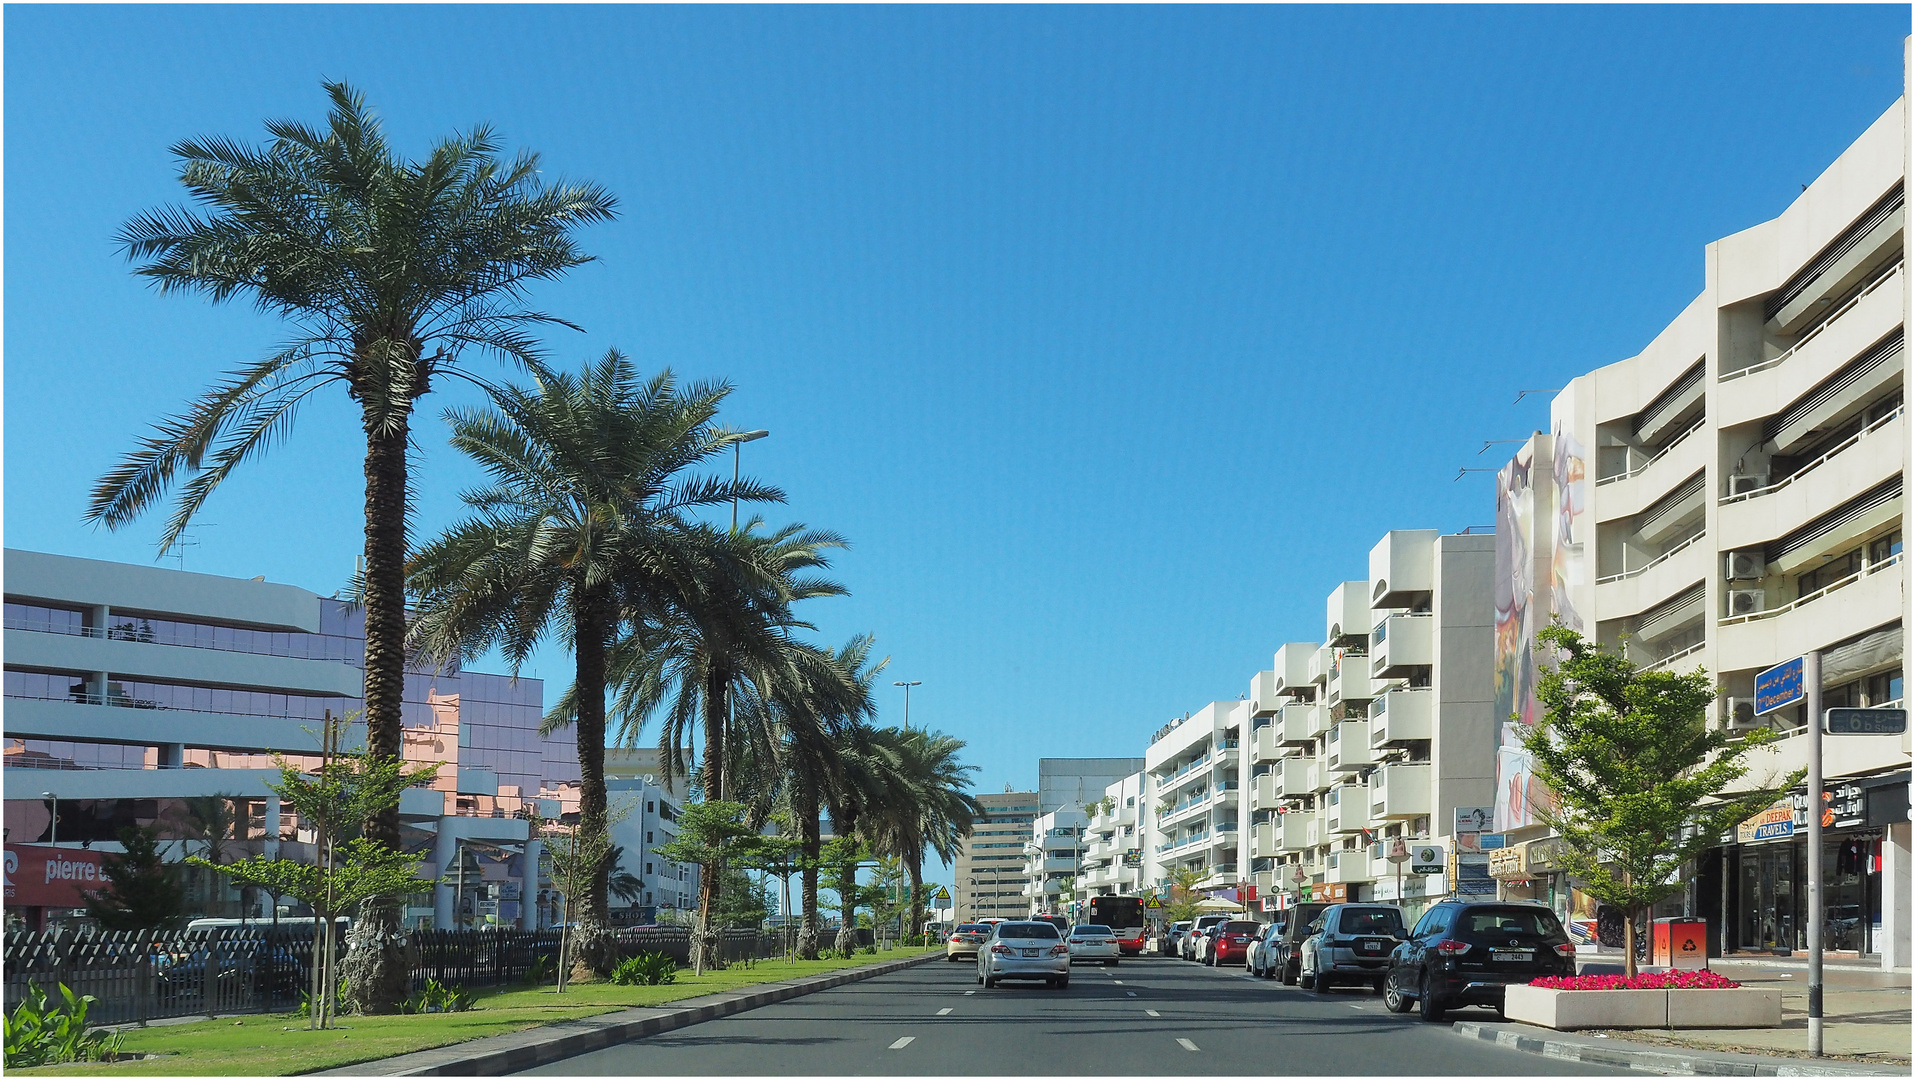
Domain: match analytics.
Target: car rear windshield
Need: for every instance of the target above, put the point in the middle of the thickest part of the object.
(1091, 930)
(1370, 921)
(1241, 927)
(973, 928)
(1486, 922)
(1027, 930)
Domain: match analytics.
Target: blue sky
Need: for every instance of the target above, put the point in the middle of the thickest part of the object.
(1113, 338)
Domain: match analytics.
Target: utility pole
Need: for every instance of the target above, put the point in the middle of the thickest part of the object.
(1812, 686)
(749, 436)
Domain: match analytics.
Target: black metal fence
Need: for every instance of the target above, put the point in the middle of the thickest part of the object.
(147, 975)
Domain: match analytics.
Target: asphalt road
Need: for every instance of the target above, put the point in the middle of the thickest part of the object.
(1144, 1017)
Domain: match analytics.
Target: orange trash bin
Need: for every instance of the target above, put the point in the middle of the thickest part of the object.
(1679, 943)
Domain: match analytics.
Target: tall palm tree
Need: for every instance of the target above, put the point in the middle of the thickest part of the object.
(578, 533)
(925, 805)
(389, 272)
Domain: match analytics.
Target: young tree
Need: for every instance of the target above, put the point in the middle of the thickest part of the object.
(840, 857)
(391, 273)
(142, 892)
(1183, 895)
(710, 835)
(1639, 777)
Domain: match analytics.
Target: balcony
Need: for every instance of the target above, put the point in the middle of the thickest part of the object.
(1630, 493)
(1295, 831)
(1753, 392)
(1402, 645)
(1320, 663)
(1296, 725)
(1845, 608)
(1295, 777)
(1673, 513)
(1349, 808)
(1347, 613)
(1293, 665)
(1264, 699)
(1263, 840)
(1183, 809)
(1348, 868)
(1349, 747)
(1400, 791)
(1848, 469)
(1401, 717)
(1349, 679)
(1267, 789)
(1635, 591)
(1264, 745)
(1320, 776)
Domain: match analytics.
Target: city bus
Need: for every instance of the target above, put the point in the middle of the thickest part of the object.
(1125, 916)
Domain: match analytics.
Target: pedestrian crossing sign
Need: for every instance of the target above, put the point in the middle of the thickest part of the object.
(943, 893)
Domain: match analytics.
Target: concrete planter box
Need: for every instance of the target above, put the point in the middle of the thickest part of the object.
(1569, 1010)
(1745, 1007)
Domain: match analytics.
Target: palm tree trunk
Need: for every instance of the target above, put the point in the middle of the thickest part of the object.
(591, 634)
(847, 941)
(376, 964)
(809, 845)
(914, 865)
(704, 938)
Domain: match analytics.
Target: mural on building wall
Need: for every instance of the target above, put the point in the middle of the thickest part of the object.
(1515, 588)
(1568, 561)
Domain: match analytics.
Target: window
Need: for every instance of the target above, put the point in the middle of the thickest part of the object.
(648, 837)
(1828, 573)
(649, 807)
(1370, 921)
(648, 868)
(1885, 548)
(1435, 921)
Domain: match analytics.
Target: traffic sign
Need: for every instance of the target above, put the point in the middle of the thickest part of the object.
(1153, 902)
(1779, 687)
(1428, 859)
(1866, 721)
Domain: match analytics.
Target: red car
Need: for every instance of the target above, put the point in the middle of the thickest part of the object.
(1232, 942)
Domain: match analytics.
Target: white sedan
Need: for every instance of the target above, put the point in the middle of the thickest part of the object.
(1092, 942)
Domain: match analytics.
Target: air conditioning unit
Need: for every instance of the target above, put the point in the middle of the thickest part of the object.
(1744, 483)
(1745, 601)
(1746, 565)
(1738, 713)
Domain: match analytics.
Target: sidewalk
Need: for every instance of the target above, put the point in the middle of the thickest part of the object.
(1865, 1014)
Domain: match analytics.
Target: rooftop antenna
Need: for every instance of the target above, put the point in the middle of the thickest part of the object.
(1487, 443)
(1521, 394)
(1460, 472)
(187, 538)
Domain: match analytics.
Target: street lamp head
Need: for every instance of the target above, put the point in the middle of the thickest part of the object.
(751, 436)
(913, 682)
(48, 795)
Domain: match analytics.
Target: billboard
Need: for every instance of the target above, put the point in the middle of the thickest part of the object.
(38, 876)
(1516, 588)
(1568, 559)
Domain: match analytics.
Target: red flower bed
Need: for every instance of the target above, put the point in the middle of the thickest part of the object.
(1660, 980)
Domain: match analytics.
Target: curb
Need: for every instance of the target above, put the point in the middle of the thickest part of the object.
(498, 1055)
(1617, 1054)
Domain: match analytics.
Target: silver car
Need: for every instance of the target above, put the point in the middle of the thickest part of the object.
(1025, 950)
(1090, 941)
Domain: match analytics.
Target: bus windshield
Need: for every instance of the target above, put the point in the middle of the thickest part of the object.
(1118, 912)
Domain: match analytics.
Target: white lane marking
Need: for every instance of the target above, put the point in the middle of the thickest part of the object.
(904, 1042)
(1119, 982)
(968, 993)
(1153, 1012)
(944, 1012)
(1187, 1044)
(1130, 993)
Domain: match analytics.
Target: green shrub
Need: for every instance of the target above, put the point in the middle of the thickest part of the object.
(436, 997)
(340, 1005)
(38, 1034)
(868, 950)
(646, 969)
(542, 971)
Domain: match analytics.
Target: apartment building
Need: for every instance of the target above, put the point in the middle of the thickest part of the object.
(1380, 733)
(1117, 840)
(132, 689)
(1051, 856)
(1729, 499)
(1192, 823)
(989, 871)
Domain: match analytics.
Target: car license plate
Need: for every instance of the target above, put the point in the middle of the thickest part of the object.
(1510, 954)
(1027, 952)
(1373, 946)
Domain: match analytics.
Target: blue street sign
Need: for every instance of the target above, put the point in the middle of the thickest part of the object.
(1779, 687)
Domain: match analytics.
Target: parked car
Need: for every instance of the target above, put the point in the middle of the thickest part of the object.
(1289, 944)
(1353, 944)
(1063, 924)
(1260, 959)
(1464, 953)
(1190, 942)
(1093, 942)
(1229, 941)
(965, 940)
(1172, 942)
(1025, 950)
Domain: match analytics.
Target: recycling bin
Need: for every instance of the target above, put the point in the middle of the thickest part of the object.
(1679, 943)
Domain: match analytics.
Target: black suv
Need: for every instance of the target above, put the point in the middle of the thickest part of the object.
(1289, 946)
(1465, 952)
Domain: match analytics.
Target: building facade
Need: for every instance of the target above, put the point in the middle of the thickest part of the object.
(1726, 500)
(989, 871)
(132, 691)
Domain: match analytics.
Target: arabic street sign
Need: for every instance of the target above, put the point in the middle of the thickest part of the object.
(1779, 687)
(1866, 721)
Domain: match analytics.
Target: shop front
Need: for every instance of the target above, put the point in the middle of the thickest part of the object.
(1765, 895)
(46, 886)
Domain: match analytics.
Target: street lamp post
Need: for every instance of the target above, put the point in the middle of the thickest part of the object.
(749, 436)
(907, 699)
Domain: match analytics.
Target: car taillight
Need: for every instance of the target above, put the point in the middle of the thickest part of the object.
(1059, 950)
(1456, 948)
(1567, 948)
(1001, 949)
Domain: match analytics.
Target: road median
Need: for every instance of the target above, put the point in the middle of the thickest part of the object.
(1672, 1061)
